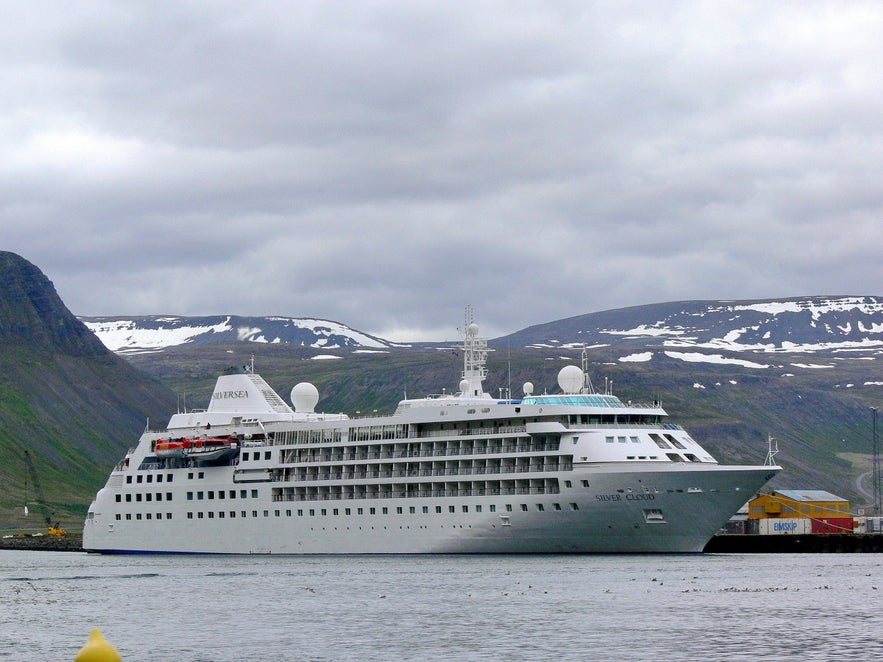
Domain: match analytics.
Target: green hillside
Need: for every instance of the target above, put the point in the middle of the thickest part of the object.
(65, 398)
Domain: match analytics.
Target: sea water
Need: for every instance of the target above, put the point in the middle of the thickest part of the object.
(220, 608)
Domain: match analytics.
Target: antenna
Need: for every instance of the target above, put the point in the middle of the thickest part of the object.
(587, 381)
(773, 444)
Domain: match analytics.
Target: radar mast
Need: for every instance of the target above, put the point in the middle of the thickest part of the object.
(474, 357)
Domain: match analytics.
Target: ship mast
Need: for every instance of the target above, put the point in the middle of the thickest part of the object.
(474, 357)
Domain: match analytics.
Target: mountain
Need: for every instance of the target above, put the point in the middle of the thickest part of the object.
(154, 333)
(818, 324)
(64, 397)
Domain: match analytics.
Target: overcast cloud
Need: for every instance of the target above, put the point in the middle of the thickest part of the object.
(383, 164)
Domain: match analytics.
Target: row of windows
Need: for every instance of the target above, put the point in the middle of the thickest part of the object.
(412, 510)
(158, 496)
(139, 516)
(148, 478)
(256, 455)
(231, 494)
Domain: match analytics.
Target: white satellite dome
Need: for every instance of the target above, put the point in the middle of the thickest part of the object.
(527, 388)
(571, 379)
(464, 385)
(472, 330)
(304, 397)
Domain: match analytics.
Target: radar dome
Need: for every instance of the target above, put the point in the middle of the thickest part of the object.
(304, 397)
(472, 330)
(464, 385)
(527, 388)
(571, 379)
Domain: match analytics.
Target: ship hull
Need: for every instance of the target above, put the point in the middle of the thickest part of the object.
(606, 509)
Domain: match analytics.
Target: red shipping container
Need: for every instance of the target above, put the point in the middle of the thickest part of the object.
(832, 525)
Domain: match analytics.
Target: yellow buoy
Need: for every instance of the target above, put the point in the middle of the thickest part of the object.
(98, 649)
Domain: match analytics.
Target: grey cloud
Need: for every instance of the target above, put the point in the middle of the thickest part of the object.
(384, 164)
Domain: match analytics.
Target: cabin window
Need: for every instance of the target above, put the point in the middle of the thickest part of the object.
(190, 496)
(584, 483)
(140, 478)
(169, 478)
(288, 513)
(149, 478)
(609, 440)
(557, 506)
(158, 478)
(360, 511)
(335, 512)
(201, 475)
(372, 511)
(267, 455)
(398, 510)
(347, 511)
(324, 512)
(221, 514)
(277, 513)
(211, 515)
(635, 440)
(478, 509)
(465, 509)
(128, 497)
(128, 479)
(540, 507)
(385, 510)
(119, 498)
(189, 515)
(242, 513)
(148, 497)
(200, 496)
(245, 456)
(425, 509)
(254, 494)
(266, 513)
(524, 507)
(493, 508)
(199, 515)
(438, 509)
(573, 506)
(211, 494)
(451, 509)
(508, 507)
(412, 510)
(159, 496)
(567, 483)
(621, 440)
(189, 475)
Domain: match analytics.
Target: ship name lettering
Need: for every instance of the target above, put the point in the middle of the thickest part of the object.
(608, 497)
(640, 497)
(225, 395)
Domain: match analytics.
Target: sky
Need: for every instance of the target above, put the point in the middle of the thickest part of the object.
(386, 164)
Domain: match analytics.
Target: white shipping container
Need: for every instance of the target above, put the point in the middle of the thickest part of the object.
(781, 526)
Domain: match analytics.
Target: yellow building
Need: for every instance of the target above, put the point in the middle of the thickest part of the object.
(815, 504)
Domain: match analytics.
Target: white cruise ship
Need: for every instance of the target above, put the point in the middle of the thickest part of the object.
(577, 471)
